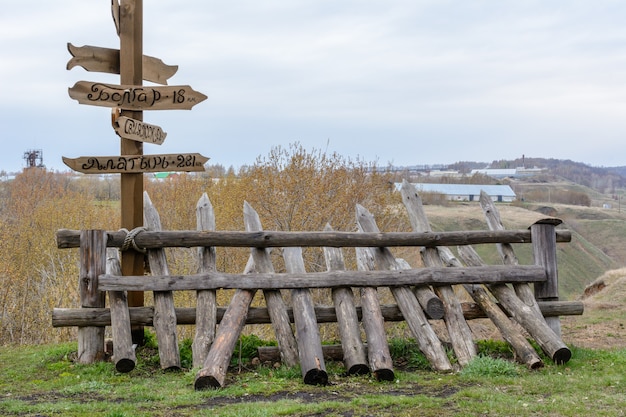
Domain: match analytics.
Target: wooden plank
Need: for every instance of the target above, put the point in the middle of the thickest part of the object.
(206, 300)
(136, 130)
(426, 338)
(123, 349)
(266, 239)
(136, 97)
(354, 354)
(307, 332)
(164, 312)
(273, 298)
(92, 264)
(378, 354)
(458, 329)
(107, 60)
(129, 164)
(99, 317)
(331, 279)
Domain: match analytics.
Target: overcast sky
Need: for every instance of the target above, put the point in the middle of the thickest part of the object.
(392, 81)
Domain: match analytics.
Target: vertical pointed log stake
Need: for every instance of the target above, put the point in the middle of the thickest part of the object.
(307, 333)
(543, 235)
(458, 329)
(378, 352)
(273, 298)
(524, 315)
(131, 73)
(93, 245)
(426, 338)
(213, 373)
(164, 313)
(206, 302)
(123, 348)
(354, 354)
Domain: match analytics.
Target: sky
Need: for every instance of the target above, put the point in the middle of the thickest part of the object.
(402, 82)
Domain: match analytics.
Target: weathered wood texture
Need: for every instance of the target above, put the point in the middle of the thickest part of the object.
(354, 354)
(544, 252)
(100, 317)
(164, 313)
(213, 372)
(378, 354)
(123, 349)
(523, 314)
(132, 129)
(265, 239)
(458, 329)
(426, 338)
(307, 331)
(492, 216)
(273, 298)
(524, 352)
(92, 264)
(132, 185)
(137, 164)
(329, 279)
(107, 60)
(206, 300)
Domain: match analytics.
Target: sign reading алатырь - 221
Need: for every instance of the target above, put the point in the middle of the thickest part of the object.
(128, 97)
(126, 164)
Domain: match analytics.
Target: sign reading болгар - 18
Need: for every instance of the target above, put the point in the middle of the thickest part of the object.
(128, 97)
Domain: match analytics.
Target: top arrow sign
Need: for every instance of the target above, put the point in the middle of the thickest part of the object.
(128, 97)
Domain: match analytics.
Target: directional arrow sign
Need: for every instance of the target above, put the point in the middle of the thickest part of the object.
(128, 128)
(129, 97)
(185, 162)
(93, 58)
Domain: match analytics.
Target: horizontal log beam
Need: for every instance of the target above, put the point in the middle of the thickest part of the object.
(100, 317)
(265, 239)
(331, 279)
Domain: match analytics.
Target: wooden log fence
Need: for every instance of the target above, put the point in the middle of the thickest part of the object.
(422, 294)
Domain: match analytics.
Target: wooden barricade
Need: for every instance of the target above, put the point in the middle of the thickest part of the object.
(422, 294)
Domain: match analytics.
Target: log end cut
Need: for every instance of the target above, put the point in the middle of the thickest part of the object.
(561, 356)
(359, 369)
(316, 377)
(384, 375)
(206, 382)
(125, 365)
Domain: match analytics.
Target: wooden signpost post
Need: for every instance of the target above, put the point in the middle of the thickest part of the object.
(132, 97)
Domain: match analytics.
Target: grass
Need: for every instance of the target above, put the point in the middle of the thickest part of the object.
(45, 381)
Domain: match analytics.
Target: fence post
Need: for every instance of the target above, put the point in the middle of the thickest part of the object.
(543, 235)
(92, 264)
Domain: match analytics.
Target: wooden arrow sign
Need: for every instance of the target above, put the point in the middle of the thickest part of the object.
(135, 164)
(128, 97)
(93, 58)
(132, 129)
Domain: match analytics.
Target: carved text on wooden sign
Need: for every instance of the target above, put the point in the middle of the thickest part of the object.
(128, 128)
(179, 97)
(187, 162)
(94, 58)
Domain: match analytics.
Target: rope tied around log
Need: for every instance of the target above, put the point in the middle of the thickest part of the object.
(129, 240)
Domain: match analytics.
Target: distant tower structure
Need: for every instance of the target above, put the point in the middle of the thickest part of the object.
(34, 158)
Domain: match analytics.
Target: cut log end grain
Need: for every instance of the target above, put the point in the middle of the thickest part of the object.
(562, 356)
(384, 375)
(206, 382)
(359, 369)
(124, 365)
(316, 377)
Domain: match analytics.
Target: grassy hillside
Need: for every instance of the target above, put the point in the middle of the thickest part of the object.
(595, 246)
